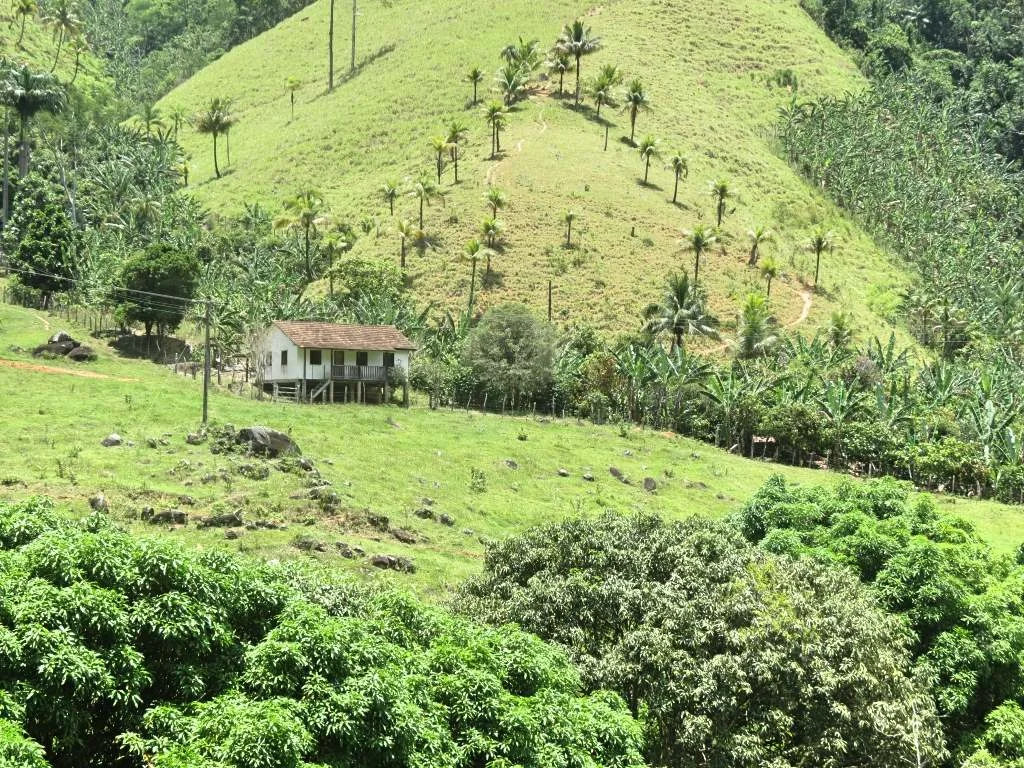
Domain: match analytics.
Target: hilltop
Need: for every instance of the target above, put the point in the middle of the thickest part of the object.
(712, 77)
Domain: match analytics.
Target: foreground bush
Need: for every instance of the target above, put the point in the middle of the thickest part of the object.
(117, 651)
(730, 655)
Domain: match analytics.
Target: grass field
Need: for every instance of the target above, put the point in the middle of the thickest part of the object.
(706, 66)
(382, 461)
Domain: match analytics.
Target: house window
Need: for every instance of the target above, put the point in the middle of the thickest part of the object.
(315, 358)
(389, 359)
(284, 358)
(362, 358)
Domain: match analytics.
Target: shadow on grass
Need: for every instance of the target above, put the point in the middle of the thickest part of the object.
(492, 279)
(380, 53)
(649, 184)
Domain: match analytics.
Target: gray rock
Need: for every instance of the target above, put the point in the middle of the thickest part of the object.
(393, 563)
(186, 501)
(650, 484)
(588, 477)
(378, 522)
(404, 536)
(445, 519)
(151, 442)
(232, 533)
(194, 438)
(111, 440)
(423, 513)
(617, 474)
(264, 441)
(563, 472)
(59, 337)
(224, 520)
(82, 354)
(344, 550)
(174, 516)
(511, 464)
(98, 503)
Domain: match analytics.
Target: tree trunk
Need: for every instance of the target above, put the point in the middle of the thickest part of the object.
(7, 167)
(74, 76)
(403, 253)
(497, 136)
(675, 192)
(330, 50)
(293, 109)
(474, 93)
(752, 262)
(440, 160)
(391, 202)
(309, 264)
(817, 268)
(568, 234)
(354, 13)
(577, 81)
(60, 43)
(472, 287)
(21, 36)
(421, 213)
(647, 169)
(769, 291)
(696, 269)
(455, 160)
(216, 166)
(23, 155)
(632, 127)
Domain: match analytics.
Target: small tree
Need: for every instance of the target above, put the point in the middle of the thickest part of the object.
(568, 217)
(635, 101)
(680, 167)
(495, 200)
(648, 151)
(457, 133)
(293, 84)
(699, 241)
(604, 85)
(721, 193)
(389, 191)
(511, 352)
(577, 41)
(40, 238)
(304, 214)
(24, 9)
(495, 114)
(758, 236)
(405, 231)
(213, 121)
(558, 64)
(755, 335)
(682, 312)
(160, 268)
(425, 191)
(475, 76)
(63, 17)
(490, 230)
(821, 241)
(439, 145)
(769, 270)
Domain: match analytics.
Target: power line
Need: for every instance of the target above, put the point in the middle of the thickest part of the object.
(122, 289)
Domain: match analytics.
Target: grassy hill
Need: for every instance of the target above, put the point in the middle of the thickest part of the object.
(380, 461)
(708, 68)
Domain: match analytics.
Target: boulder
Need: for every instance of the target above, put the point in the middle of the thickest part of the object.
(650, 484)
(224, 520)
(379, 522)
(98, 503)
(448, 520)
(194, 438)
(423, 513)
(60, 337)
(58, 349)
(404, 536)
(82, 354)
(511, 464)
(617, 474)
(588, 477)
(111, 440)
(344, 550)
(392, 563)
(174, 516)
(264, 441)
(563, 472)
(232, 533)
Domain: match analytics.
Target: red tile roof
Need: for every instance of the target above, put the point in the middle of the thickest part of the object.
(371, 338)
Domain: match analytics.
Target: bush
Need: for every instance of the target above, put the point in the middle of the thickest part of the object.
(511, 353)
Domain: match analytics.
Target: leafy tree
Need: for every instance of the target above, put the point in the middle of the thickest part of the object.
(511, 352)
(63, 18)
(680, 168)
(769, 271)
(648, 151)
(390, 191)
(577, 41)
(758, 236)
(755, 336)
(496, 200)
(568, 217)
(159, 269)
(292, 84)
(425, 191)
(686, 621)
(495, 113)
(699, 241)
(214, 121)
(24, 9)
(681, 312)
(304, 213)
(360, 277)
(635, 101)
(475, 76)
(28, 93)
(721, 193)
(457, 133)
(558, 63)
(820, 241)
(40, 238)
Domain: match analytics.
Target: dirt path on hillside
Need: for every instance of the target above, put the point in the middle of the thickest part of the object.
(493, 170)
(43, 320)
(808, 299)
(34, 368)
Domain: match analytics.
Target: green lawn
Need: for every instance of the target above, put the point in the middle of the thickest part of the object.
(380, 461)
(707, 65)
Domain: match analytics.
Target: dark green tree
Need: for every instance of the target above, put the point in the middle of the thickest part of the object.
(159, 269)
(511, 352)
(40, 239)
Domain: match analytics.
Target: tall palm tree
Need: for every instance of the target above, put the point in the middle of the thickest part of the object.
(510, 82)
(6, 83)
(635, 101)
(577, 41)
(604, 85)
(78, 46)
(821, 240)
(680, 167)
(648, 151)
(754, 334)
(389, 191)
(25, 9)
(28, 93)
(681, 312)
(495, 114)
(524, 54)
(211, 122)
(335, 244)
(699, 240)
(721, 193)
(558, 63)
(475, 248)
(568, 217)
(406, 231)
(304, 213)
(178, 116)
(425, 191)
(292, 84)
(439, 144)
(495, 199)
(63, 17)
(475, 76)
(769, 270)
(758, 236)
(457, 133)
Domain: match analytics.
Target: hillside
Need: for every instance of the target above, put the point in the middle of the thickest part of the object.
(707, 69)
(380, 461)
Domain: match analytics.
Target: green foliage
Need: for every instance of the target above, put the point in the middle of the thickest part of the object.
(753, 653)
(511, 352)
(111, 643)
(361, 277)
(159, 269)
(41, 238)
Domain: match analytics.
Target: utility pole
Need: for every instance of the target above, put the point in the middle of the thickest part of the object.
(549, 301)
(330, 52)
(354, 12)
(206, 364)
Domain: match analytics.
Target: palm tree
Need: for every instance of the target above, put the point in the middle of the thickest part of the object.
(475, 76)
(568, 217)
(681, 312)
(821, 241)
(212, 122)
(635, 101)
(494, 114)
(63, 17)
(699, 240)
(491, 231)
(496, 200)
(28, 93)
(457, 133)
(149, 117)
(425, 191)
(721, 193)
(77, 46)
(577, 41)
(758, 236)
(510, 82)
(475, 249)
(303, 213)
(24, 9)
(230, 120)
(769, 270)
(603, 87)
(440, 146)
(754, 334)
(558, 63)
(335, 244)
(292, 84)
(680, 169)
(648, 151)
(524, 54)
(405, 231)
(177, 115)
(389, 191)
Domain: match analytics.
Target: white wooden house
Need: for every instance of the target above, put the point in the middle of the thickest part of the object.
(330, 362)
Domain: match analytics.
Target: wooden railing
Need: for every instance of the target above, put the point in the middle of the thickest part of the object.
(359, 372)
